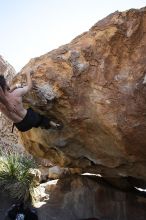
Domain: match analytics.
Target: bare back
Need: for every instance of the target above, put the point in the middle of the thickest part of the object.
(14, 110)
(14, 97)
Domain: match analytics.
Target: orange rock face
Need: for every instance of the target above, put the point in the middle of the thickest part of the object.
(97, 86)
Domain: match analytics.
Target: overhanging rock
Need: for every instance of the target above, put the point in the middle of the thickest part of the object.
(97, 86)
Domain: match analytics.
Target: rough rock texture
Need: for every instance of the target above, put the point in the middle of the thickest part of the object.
(97, 86)
(6, 69)
(8, 139)
(79, 197)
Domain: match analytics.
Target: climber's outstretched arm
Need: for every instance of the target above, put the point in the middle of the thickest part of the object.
(29, 80)
(22, 91)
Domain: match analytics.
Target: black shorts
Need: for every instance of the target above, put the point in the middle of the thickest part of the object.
(32, 119)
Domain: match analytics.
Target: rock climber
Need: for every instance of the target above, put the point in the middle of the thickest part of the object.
(12, 106)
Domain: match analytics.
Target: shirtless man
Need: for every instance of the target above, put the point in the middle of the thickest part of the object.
(12, 106)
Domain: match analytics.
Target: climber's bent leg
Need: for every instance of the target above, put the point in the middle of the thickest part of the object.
(50, 122)
(34, 119)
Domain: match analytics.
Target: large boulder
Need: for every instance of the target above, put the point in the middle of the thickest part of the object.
(96, 85)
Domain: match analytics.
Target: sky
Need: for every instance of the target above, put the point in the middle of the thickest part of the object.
(31, 28)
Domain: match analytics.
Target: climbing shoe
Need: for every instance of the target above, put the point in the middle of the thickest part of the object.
(55, 124)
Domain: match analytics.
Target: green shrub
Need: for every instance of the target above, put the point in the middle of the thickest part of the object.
(14, 175)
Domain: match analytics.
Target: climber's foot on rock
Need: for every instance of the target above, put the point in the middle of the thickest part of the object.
(56, 124)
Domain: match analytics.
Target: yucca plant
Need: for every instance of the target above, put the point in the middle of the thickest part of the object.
(14, 175)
